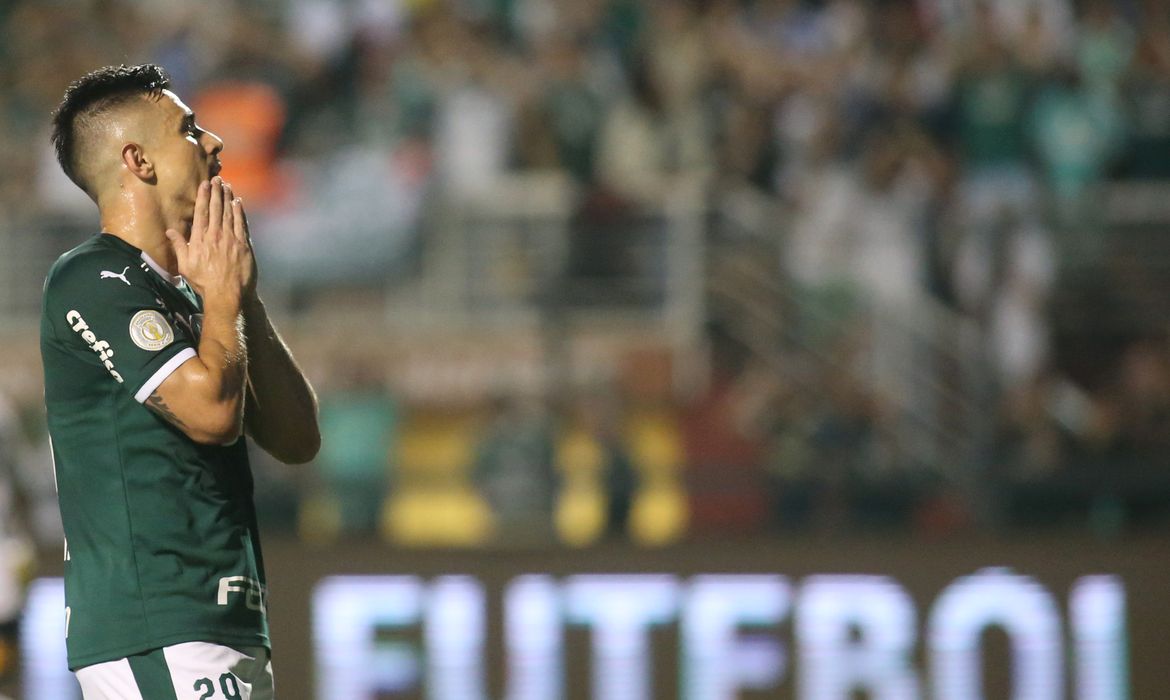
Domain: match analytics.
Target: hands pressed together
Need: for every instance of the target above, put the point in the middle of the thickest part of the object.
(217, 260)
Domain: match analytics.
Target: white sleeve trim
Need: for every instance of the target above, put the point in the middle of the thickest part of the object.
(163, 372)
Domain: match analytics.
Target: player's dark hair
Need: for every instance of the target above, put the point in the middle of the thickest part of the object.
(92, 94)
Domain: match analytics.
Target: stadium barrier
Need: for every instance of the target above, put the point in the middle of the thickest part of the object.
(1046, 618)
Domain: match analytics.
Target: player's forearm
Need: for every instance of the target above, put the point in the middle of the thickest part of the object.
(205, 397)
(281, 414)
(223, 354)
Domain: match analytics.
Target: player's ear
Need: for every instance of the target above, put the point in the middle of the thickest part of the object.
(135, 160)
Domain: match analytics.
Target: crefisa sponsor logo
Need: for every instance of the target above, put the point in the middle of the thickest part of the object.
(101, 347)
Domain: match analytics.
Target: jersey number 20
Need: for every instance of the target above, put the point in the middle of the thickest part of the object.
(227, 685)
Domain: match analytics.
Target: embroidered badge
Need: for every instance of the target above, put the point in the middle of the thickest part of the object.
(150, 331)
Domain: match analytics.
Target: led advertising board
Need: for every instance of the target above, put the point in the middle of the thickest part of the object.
(889, 620)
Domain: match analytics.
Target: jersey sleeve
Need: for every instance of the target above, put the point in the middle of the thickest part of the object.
(107, 314)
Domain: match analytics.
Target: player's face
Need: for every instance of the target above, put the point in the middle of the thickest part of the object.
(186, 155)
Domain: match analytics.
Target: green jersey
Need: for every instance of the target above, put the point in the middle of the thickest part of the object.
(161, 538)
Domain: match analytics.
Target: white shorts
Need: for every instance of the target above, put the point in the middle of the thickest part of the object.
(188, 671)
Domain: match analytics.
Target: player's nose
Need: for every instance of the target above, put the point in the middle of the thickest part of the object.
(212, 143)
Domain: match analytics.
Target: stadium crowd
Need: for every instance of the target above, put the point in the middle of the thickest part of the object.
(953, 153)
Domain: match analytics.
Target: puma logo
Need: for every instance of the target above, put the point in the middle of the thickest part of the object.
(106, 274)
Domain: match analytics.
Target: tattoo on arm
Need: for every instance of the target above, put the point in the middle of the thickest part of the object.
(155, 403)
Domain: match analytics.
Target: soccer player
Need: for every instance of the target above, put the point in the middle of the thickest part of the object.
(158, 358)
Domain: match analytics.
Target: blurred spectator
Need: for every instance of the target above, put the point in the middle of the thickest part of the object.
(474, 116)
(16, 545)
(860, 227)
(597, 475)
(1037, 424)
(993, 97)
(250, 116)
(1144, 385)
(1041, 45)
(1148, 99)
(1105, 48)
(1004, 279)
(725, 453)
(560, 125)
(359, 420)
(357, 224)
(1077, 134)
(647, 140)
(514, 469)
